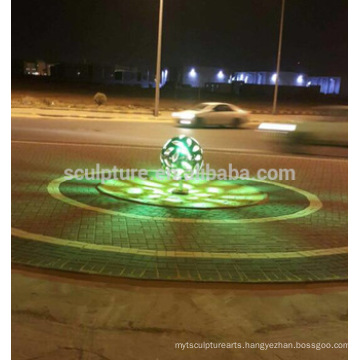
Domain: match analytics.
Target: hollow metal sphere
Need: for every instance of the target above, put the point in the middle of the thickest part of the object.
(182, 156)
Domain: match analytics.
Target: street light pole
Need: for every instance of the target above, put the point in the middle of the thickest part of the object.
(278, 58)
(158, 61)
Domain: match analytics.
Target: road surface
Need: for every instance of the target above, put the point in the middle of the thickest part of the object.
(148, 133)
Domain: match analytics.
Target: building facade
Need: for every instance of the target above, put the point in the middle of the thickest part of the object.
(327, 84)
(212, 77)
(142, 77)
(38, 68)
(199, 76)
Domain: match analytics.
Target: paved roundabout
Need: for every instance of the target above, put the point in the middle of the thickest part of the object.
(297, 234)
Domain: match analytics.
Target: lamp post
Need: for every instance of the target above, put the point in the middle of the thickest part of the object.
(158, 61)
(278, 57)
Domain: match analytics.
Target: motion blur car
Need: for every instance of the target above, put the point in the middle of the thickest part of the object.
(212, 114)
(328, 128)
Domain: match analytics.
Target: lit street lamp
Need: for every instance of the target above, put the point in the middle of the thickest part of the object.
(158, 61)
(278, 58)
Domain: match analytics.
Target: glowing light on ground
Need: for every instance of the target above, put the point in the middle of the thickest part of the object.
(201, 194)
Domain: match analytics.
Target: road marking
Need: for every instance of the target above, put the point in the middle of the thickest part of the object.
(175, 254)
(314, 205)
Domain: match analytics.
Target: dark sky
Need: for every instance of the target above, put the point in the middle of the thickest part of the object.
(236, 33)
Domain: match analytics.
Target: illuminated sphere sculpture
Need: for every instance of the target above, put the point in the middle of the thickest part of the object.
(182, 156)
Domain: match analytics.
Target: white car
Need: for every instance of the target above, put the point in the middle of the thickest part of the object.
(212, 114)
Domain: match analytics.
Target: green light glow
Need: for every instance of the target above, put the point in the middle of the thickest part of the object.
(134, 191)
(213, 190)
(204, 195)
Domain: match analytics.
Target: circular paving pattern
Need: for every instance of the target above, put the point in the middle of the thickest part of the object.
(73, 225)
(284, 202)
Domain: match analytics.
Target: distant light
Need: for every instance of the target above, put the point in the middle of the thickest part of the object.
(273, 78)
(246, 79)
(220, 75)
(192, 73)
(308, 83)
(241, 77)
(300, 79)
(277, 127)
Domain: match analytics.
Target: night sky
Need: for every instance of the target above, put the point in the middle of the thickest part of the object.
(227, 33)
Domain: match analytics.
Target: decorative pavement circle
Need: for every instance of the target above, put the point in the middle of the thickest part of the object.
(86, 230)
(286, 202)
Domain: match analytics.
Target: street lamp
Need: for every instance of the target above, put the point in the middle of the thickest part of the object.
(278, 58)
(158, 61)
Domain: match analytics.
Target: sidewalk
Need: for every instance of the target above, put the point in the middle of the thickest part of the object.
(89, 114)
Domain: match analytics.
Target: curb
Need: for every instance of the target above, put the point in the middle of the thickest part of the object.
(149, 113)
(105, 116)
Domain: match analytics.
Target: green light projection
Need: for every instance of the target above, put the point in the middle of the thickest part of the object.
(200, 194)
(181, 156)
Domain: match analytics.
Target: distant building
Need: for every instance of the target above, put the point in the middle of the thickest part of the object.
(82, 72)
(38, 68)
(143, 77)
(213, 78)
(328, 84)
(198, 76)
(130, 76)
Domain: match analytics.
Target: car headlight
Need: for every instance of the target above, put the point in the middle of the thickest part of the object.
(184, 115)
(188, 116)
(185, 122)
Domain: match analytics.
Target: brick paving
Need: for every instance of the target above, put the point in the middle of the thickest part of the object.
(36, 211)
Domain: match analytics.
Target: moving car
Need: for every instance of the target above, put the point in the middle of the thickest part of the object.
(329, 128)
(212, 114)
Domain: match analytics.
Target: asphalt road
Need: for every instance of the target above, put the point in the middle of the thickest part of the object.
(147, 133)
